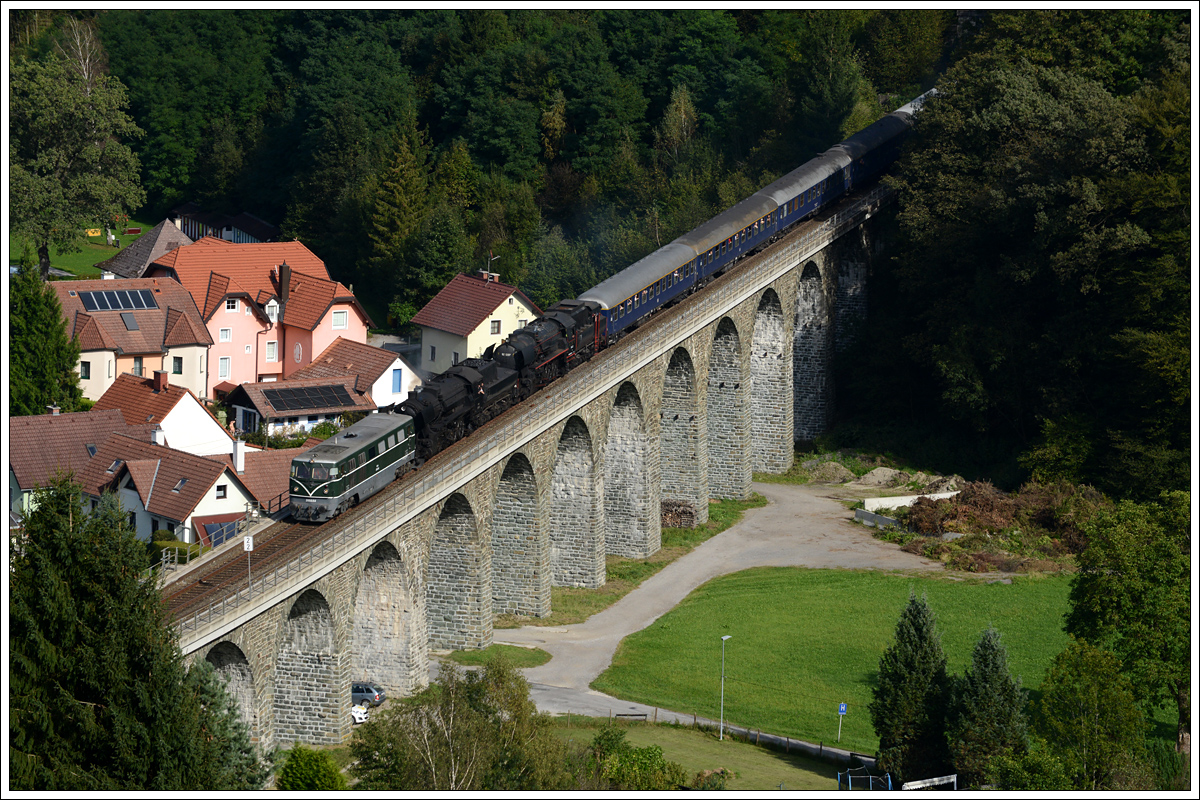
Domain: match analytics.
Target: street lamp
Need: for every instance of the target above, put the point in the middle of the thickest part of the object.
(721, 730)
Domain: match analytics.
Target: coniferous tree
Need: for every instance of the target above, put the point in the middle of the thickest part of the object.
(401, 203)
(988, 712)
(100, 697)
(42, 357)
(908, 711)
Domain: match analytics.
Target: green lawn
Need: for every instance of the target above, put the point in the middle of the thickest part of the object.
(520, 657)
(805, 640)
(570, 605)
(754, 768)
(83, 263)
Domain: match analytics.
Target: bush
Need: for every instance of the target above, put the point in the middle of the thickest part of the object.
(711, 779)
(324, 430)
(310, 770)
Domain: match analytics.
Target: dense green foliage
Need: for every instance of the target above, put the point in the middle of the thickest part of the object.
(1091, 722)
(69, 169)
(630, 768)
(1039, 300)
(100, 697)
(1132, 594)
(910, 702)
(564, 143)
(474, 731)
(987, 713)
(309, 771)
(42, 357)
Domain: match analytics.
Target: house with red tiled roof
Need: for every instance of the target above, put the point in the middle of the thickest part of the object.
(134, 260)
(469, 315)
(41, 447)
(185, 422)
(267, 306)
(267, 474)
(135, 326)
(388, 375)
(291, 406)
(162, 488)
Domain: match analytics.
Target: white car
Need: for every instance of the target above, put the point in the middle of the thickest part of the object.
(359, 714)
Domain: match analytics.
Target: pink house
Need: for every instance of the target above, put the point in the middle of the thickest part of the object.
(268, 306)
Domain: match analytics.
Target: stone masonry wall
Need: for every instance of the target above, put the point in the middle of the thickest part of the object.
(459, 590)
(232, 665)
(771, 389)
(576, 514)
(684, 441)
(630, 528)
(380, 638)
(308, 678)
(811, 357)
(520, 543)
(728, 417)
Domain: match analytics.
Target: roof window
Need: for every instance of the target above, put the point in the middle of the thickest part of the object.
(91, 448)
(130, 322)
(180, 485)
(114, 466)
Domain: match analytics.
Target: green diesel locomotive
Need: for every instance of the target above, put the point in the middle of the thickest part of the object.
(351, 466)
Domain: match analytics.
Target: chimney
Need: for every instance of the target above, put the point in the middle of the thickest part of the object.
(160, 380)
(285, 281)
(52, 410)
(105, 275)
(239, 456)
(178, 221)
(158, 436)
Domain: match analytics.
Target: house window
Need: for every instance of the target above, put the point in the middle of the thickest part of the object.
(231, 304)
(522, 323)
(226, 334)
(510, 301)
(110, 369)
(454, 358)
(397, 380)
(223, 367)
(177, 365)
(222, 491)
(495, 327)
(133, 521)
(313, 419)
(85, 370)
(271, 351)
(179, 486)
(137, 366)
(170, 527)
(94, 504)
(272, 311)
(341, 320)
(91, 448)
(432, 353)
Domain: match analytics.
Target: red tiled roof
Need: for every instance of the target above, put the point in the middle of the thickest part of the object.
(42, 445)
(136, 399)
(106, 330)
(132, 261)
(465, 302)
(171, 467)
(251, 394)
(267, 471)
(183, 329)
(143, 472)
(348, 359)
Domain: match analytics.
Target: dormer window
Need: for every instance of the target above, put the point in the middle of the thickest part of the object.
(231, 304)
(180, 485)
(273, 311)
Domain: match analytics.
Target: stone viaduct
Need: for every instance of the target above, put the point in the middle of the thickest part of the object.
(681, 411)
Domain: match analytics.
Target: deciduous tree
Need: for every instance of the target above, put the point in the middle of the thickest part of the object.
(1132, 593)
(69, 167)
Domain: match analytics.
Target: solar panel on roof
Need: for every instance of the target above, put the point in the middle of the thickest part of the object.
(119, 300)
(302, 397)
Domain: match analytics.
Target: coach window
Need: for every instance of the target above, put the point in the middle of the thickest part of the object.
(372, 451)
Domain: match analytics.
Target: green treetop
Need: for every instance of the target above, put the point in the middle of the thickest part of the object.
(42, 356)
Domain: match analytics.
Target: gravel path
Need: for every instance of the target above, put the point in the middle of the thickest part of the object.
(802, 526)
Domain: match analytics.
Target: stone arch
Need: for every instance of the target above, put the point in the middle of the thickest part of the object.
(770, 388)
(380, 635)
(811, 357)
(631, 528)
(728, 416)
(520, 544)
(232, 665)
(684, 449)
(459, 583)
(310, 688)
(576, 513)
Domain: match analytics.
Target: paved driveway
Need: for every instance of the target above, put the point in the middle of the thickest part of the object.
(803, 526)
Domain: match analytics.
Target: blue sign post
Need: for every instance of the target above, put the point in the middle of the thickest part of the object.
(841, 713)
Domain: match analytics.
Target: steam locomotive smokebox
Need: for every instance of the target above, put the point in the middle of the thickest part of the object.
(678, 514)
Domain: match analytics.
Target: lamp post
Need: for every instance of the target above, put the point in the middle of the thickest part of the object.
(721, 730)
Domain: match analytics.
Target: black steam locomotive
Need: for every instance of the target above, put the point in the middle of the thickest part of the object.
(477, 390)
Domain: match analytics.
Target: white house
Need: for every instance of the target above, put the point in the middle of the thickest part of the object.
(185, 423)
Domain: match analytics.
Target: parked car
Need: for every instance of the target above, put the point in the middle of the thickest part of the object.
(367, 694)
(359, 714)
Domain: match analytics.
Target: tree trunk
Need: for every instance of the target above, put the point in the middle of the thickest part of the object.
(44, 260)
(1183, 743)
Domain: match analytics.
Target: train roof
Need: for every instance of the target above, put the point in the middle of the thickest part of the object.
(710, 234)
(366, 430)
(639, 275)
(804, 177)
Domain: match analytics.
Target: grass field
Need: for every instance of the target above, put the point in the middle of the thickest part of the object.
(520, 657)
(570, 606)
(805, 640)
(83, 263)
(754, 768)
